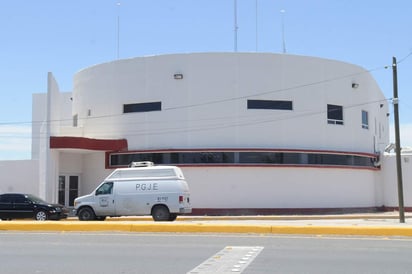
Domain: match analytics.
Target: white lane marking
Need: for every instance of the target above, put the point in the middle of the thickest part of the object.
(231, 259)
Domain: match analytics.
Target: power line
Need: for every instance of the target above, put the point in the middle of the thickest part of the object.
(209, 102)
(221, 124)
(404, 58)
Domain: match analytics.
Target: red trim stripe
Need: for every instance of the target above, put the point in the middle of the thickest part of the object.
(63, 142)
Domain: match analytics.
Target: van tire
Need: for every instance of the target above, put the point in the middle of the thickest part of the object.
(86, 214)
(172, 217)
(160, 213)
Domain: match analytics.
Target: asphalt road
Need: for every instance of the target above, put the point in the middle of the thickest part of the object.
(181, 253)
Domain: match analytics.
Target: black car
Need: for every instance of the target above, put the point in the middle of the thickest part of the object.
(22, 206)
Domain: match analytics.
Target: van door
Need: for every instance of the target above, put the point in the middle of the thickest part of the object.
(105, 202)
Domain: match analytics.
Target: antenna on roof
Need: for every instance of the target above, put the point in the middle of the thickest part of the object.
(256, 25)
(282, 12)
(235, 25)
(118, 29)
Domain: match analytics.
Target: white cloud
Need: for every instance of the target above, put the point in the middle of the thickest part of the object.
(15, 142)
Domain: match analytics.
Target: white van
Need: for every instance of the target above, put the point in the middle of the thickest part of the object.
(143, 189)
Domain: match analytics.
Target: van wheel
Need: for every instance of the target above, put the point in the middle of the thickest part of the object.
(172, 217)
(86, 214)
(160, 213)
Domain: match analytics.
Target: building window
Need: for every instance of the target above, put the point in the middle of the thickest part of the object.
(365, 119)
(269, 104)
(249, 158)
(75, 120)
(142, 107)
(335, 115)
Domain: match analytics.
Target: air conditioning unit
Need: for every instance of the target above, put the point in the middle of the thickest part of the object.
(141, 164)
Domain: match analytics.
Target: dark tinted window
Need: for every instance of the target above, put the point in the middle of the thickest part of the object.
(335, 114)
(12, 198)
(269, 104)
(243, 158)
(20, 199)
(365, 119)
(5, 198)
(142, 107)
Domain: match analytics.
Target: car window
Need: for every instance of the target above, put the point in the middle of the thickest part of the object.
(20, 200)
(5, 199)
(36, 199)
(105, 188)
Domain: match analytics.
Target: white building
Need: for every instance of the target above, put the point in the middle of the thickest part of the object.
(253, 132)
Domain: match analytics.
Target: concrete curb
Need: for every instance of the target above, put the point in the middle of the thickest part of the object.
(67, 226)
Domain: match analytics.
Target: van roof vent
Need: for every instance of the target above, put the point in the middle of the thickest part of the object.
(141, 164)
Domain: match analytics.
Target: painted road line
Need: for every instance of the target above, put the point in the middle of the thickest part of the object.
(231, 259)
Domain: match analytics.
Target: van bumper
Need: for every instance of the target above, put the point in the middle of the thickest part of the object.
(185, 210)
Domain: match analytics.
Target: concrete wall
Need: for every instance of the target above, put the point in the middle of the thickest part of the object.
(20, 176)
(390, 180)
(274, 187)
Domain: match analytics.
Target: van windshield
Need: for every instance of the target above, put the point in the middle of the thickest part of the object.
(143, 173)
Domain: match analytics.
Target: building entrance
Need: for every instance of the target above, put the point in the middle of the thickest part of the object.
(68, 189)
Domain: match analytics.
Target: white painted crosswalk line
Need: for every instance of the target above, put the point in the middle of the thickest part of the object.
(231, 259)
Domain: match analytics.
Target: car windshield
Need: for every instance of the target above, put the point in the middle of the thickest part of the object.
(36, 199)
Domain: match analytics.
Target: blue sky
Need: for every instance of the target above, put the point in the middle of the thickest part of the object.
(65, 36)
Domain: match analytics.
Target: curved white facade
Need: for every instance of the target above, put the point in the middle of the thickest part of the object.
(208, 107)
(296, 111)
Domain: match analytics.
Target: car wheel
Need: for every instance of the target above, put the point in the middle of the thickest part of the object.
(160, 213)
(86, 214)
(41, 215)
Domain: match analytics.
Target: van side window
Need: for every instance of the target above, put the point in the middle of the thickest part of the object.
(105, 188)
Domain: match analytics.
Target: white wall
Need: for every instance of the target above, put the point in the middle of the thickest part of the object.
(216, 87)
(276, 187)
(20, 176)
(391, 180)
(39, 107)
(94, 171)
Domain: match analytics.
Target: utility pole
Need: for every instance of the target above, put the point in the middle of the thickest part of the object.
(397, 141)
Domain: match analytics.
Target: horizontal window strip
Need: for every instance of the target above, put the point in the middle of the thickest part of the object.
(142, 107)
(269, 104)
(243, 158)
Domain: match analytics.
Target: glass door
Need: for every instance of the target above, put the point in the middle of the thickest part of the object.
(68, 189)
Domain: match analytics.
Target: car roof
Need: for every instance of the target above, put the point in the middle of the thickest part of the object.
(13, 194)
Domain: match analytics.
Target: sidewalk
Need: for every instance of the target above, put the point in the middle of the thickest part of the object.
(373, 224)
